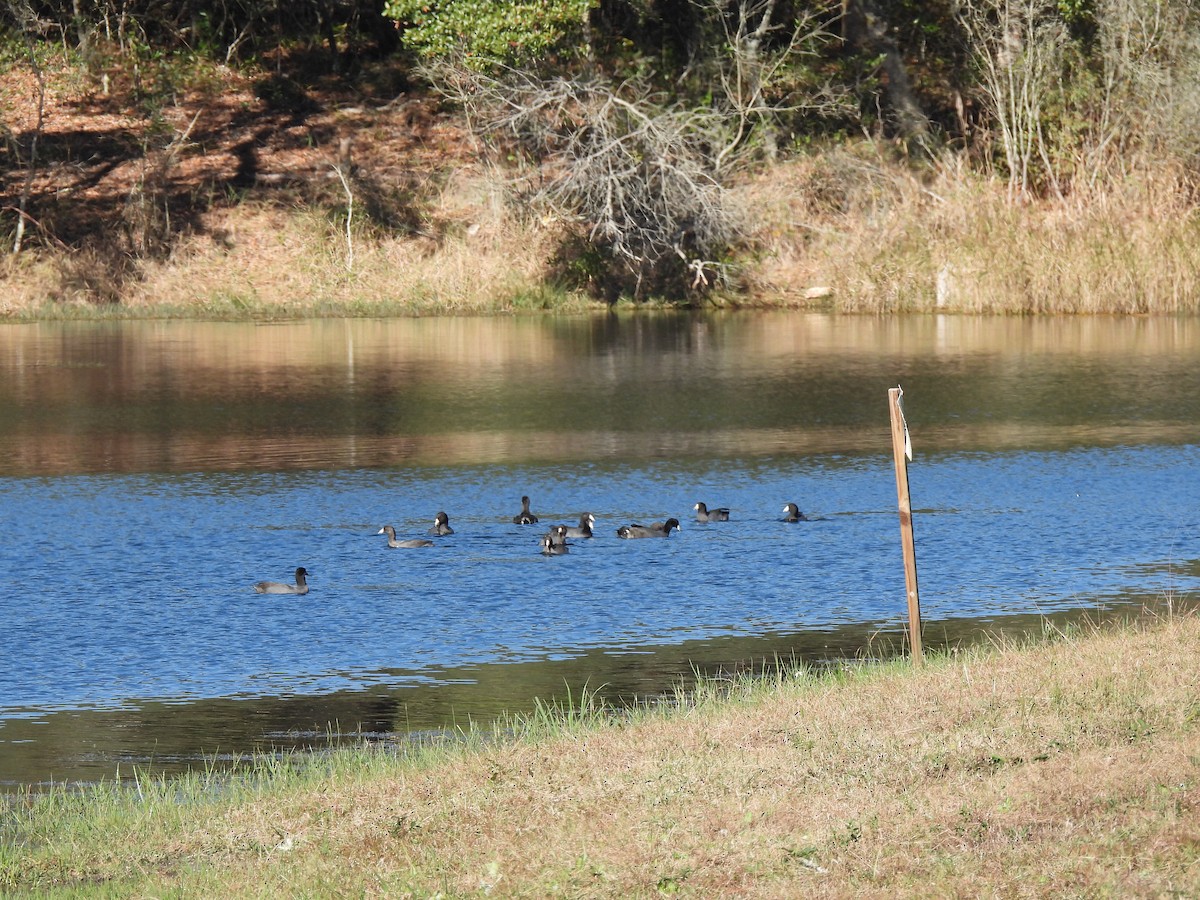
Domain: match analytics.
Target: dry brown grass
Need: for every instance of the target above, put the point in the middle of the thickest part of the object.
(276, 258)
(850, 228)
(881, 238)
(885, 237)
(1068, 769)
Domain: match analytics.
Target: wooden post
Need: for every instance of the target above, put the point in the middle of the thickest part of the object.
(902, 452)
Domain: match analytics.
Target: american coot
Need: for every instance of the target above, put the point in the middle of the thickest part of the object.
(441, 525)
(704, 514)
(584, 528)
(275, 587)
(551, 547)
(392, 542)
(793, 514)
(524, 517)
(657, 529)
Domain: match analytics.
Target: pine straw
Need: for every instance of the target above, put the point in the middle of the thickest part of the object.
(1069, 768)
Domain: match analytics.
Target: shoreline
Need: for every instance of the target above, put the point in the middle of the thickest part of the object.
(889, 248)
(232, 204)
(470, 693)
(570, 305)
(1068, 761)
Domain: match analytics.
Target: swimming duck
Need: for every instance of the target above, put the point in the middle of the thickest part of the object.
(583, 529)
(441, 525)
(409, 544)
(524, 517)
(276, 587)
(704, 514)
(656, 529)
(793, 514)
(551, 547)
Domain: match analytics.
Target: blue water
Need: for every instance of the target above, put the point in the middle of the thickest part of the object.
(122, 588)
(151, 472)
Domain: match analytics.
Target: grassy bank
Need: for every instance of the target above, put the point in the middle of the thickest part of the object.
(175, 225)
(272, 262)
(1070, 766)
(896, 241)
(871, 237)
(885, 237)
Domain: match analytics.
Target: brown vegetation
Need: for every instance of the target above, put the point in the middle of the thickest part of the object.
(882, 238)
(231, 197)
(244, 192)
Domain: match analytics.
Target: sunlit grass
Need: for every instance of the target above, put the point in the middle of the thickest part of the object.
(226, 308)
(1066, 763)
(882, 236)
(863, 233)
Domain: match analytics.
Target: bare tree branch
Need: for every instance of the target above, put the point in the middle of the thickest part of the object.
(622, 164)
(1018, 47)
(762, 45)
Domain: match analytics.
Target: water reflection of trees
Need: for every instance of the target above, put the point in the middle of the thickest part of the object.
(132, 396)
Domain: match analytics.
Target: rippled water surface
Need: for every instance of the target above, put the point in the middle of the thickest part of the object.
(150, 473)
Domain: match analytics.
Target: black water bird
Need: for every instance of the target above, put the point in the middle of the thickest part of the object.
(656, 529)
(277, 587)
(792, 514)
(551, 547)
(704, 514)
(583, 529)
(441, 525)
(409, 544)
(524, 517)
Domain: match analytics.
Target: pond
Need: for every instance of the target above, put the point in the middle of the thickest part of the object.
(152, 472)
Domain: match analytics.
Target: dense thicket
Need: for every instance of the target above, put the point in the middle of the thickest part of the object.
(635, 114)
(225, 29)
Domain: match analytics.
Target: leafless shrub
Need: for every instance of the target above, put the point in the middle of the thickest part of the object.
(1136, 109)
(1149, 103)
(98, 273)
(762, 73)
(624, 169)
(636, 176)
(1018, 47)
(28, 25)
(147, 212)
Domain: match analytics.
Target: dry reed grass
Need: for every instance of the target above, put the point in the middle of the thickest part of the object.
(1071, 768)
(847, 230)
(884, 237)
(26, 281)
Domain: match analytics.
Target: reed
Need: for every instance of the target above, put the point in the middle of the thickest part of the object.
(847, 230)
(1062, 765)
(885, 237)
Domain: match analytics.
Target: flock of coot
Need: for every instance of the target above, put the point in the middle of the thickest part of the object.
(552, 543)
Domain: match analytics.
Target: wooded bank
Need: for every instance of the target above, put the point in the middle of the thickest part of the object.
(326, 156)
